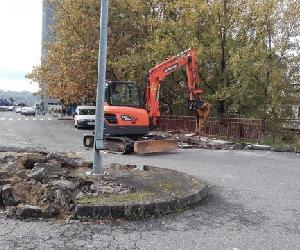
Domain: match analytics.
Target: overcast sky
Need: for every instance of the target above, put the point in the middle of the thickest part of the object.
(20, 42)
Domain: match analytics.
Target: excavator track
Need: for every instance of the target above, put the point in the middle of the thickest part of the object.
(141, 146)
(118, 145)
(121, 145)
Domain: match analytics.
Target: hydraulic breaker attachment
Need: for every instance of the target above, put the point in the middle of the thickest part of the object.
(155, 146)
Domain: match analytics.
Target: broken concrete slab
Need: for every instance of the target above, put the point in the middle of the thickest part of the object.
(186, 146)
(7, 195)
(258, 147)
(28, 211)
(220, 142)
(29, 159)
(38, 174)
(1, 199)
(3, 182)
(9, 168)
(50, 212)
(51, 168)
(4, 174)
(66, 160)
(185, 138)
(63, 184)
(7, 158)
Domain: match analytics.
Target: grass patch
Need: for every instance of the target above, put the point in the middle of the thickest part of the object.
(283, 141)
(112, 199)
(195, 183)
(168, 186)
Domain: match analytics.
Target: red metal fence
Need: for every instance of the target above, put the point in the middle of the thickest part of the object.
(229, 128)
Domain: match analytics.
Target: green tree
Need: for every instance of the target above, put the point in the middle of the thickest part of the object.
(248, 51)
(11, 100)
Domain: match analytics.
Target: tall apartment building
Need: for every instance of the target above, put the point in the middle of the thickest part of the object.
(47, 21)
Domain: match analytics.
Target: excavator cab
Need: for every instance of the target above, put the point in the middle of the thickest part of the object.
(120, 93)
(124, 112)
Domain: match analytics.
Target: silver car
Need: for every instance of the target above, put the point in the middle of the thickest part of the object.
(28, 111)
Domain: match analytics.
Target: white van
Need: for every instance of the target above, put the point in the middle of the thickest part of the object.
(84, 117)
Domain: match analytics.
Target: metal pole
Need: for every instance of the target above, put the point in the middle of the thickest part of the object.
(97, 164)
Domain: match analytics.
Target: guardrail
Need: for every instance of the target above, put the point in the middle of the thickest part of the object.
(229, 128)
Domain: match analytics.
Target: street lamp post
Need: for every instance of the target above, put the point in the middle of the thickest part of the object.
(99, 120)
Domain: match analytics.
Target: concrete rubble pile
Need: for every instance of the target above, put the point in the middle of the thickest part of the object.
(187, 141)
(191, 141)
(40, 184)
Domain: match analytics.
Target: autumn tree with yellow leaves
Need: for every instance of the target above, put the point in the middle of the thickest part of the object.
(248, 51)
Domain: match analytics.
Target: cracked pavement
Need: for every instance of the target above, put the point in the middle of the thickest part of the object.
(254, 201)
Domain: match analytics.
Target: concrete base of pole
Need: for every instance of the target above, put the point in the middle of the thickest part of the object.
(97, 163)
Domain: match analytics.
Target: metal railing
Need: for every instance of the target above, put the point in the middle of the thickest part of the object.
(229, 128)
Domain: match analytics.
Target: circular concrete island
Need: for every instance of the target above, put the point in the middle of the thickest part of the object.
(36, 184)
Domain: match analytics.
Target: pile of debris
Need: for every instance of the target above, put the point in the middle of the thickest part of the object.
(191, 141)
(41, 184)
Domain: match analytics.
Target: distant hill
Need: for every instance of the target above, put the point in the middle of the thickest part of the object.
(20, 97)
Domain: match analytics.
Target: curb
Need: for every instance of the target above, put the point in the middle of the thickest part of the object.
(22, 150)
(140, 209)
(272, 149)
(65, 119)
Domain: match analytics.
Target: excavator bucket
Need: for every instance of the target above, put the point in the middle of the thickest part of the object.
(155, 146)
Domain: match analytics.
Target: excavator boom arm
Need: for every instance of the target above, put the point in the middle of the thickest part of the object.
(157, 74)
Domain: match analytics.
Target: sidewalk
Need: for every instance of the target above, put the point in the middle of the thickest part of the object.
(63, 117)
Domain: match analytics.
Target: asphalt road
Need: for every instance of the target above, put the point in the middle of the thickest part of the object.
(254, 202)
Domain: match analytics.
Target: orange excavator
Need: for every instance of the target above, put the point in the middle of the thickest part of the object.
(128, 119)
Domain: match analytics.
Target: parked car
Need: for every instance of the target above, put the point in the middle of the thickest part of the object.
(10, 108)
(84, 116)
(28, 111)
(18, 110)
